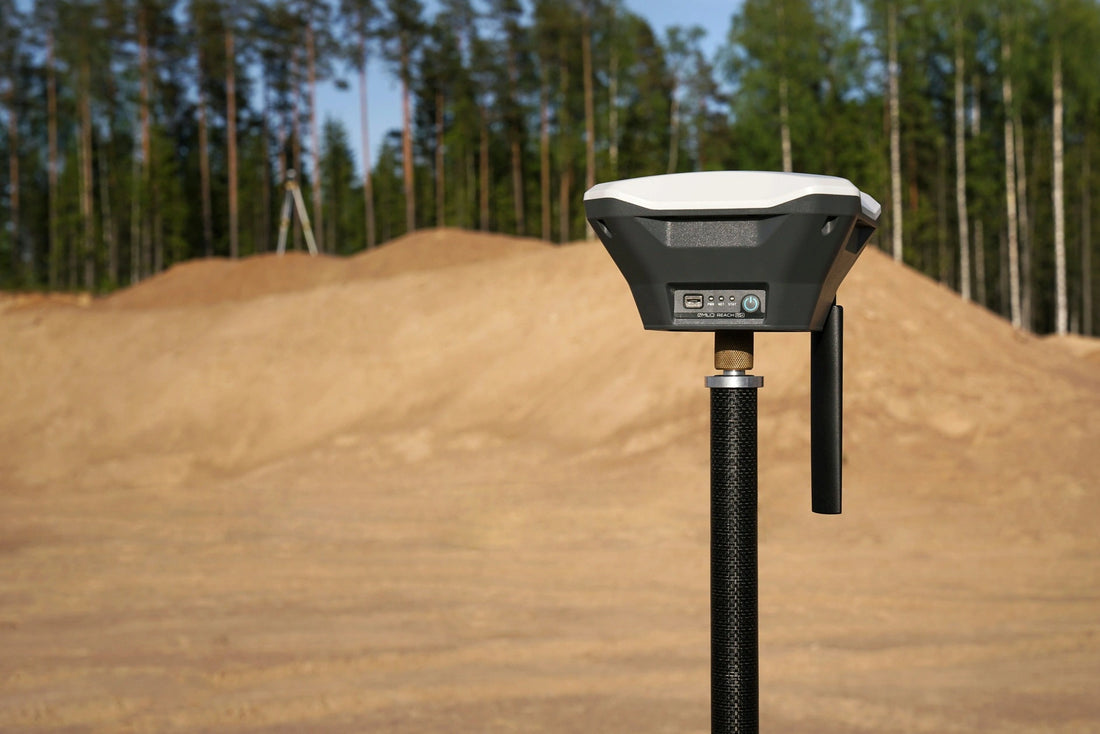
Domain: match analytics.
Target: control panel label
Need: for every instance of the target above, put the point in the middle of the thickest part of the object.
(746, 304)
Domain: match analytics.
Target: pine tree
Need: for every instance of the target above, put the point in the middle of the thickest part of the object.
(361, 17)
(893, 93)
(481, 73)
(11, 51)
(390, 187)
(205, 20)
(273, 30)
(963, 215)
(403, 30)
(1010, 174)
(230, 31)
(548, 22)
(1058, 184)
(587, 10)
(775, 57)
(83, 51)
(46, 19)
(338, 168)
(646, 88)
(514, 45)
(439, 81)
(681, 49)
(319, 48)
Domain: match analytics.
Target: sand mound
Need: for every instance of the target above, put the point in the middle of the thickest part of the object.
(1080, 346)
(435, 249)
(451, 484)
(215, 280)
(532, 339)
(35, 299)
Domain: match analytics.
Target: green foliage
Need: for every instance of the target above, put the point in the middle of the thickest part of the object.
(343, 195)
(388, 182)
(646, 89)
(360, 18)
(486, 67)
(402, 31)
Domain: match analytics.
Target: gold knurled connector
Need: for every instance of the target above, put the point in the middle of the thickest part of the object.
(733, 350)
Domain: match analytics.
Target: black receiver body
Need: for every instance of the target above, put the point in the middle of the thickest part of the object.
(745, 251)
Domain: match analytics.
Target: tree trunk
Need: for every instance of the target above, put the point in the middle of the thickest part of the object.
(1058, 199)
(13, 174)
(1003, 280)
(368, 192)
(158, 228)
(110, 234)
(1086, 233)
(565, 182)
(146, 253)
(589, 111)
(469, 190)
(440, 163)
(975, 105)
(135, 216)
(701, 134)
(1010, 183)
(72, 236)
(330, 224)
(483, 171)
(914, 184)
(784, 90)
(544, 157)
(613, 109)
(204, 172)
(960, 163)
(315, 144)
(943, 266)
(517, 186)
(459, 180)
(565, 185)
(265, 169)
(284, 168)
(516, 148)
(296, 132)
(295, 114)
(1026, 239)
(785, 125)
(980, 273)
(406, 139)
(231, 138)
(979, 262)
(674, 130)
(86, 183)
(895, 131)
(51, 133)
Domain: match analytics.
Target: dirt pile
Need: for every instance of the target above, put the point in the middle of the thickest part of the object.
(217, 280)
(451, 484)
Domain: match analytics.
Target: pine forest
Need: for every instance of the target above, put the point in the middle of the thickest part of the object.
(136, 134)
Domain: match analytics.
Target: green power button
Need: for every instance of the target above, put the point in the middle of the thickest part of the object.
(750, 303)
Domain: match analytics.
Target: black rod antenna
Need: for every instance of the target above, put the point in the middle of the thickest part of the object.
(826, 412)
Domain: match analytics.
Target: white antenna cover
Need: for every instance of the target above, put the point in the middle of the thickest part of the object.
(728, 190)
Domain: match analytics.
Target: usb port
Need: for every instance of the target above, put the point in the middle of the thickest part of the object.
(693, 300)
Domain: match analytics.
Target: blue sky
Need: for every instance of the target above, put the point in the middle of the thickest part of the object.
(384, 92)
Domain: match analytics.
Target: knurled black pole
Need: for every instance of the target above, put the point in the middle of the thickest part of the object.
(735, 690)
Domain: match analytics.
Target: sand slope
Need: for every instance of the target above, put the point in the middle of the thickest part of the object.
(451, 484)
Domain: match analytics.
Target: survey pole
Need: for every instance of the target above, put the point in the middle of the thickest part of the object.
(734, 636)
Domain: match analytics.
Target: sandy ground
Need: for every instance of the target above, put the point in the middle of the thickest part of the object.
(452, 485)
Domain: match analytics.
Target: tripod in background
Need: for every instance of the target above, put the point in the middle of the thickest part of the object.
(294, 197)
